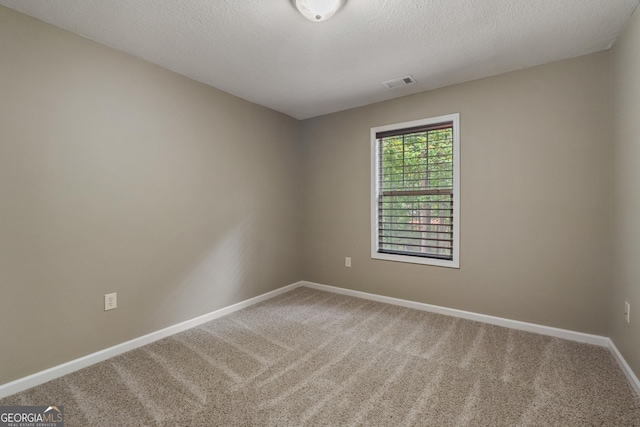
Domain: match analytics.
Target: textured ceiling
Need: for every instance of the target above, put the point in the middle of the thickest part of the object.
(266, 52)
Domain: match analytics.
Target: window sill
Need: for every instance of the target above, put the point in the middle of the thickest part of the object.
(415, 260)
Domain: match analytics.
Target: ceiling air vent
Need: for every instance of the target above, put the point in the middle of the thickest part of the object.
(402, 81)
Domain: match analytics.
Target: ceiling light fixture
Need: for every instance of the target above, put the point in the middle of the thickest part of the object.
(317, 10)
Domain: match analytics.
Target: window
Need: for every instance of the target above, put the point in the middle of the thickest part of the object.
(415, 191)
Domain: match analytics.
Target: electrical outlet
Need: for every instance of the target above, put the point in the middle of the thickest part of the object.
(347, 262)
(627, 311)
(110, 301)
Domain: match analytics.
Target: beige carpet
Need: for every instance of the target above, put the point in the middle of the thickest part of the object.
(315, 358)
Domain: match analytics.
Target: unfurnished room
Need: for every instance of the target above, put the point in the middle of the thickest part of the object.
(319, 213)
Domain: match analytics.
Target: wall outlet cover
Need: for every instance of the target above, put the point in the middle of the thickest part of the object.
(627, 311)
(110, 301)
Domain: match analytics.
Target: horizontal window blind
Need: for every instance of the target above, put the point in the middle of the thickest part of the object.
(415, 191)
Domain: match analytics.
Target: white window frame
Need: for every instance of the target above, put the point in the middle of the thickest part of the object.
(455, 262)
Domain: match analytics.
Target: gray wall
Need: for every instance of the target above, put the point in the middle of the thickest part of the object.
(535, 197)
(119, 176)
(625, 193)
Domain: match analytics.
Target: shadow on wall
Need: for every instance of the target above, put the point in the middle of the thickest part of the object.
(217, 279)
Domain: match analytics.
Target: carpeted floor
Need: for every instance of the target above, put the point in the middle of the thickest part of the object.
(314, 358)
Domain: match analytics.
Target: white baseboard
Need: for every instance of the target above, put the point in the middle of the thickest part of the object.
(499, 321)
(66, 368)
(77, 364)
(626, 369)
